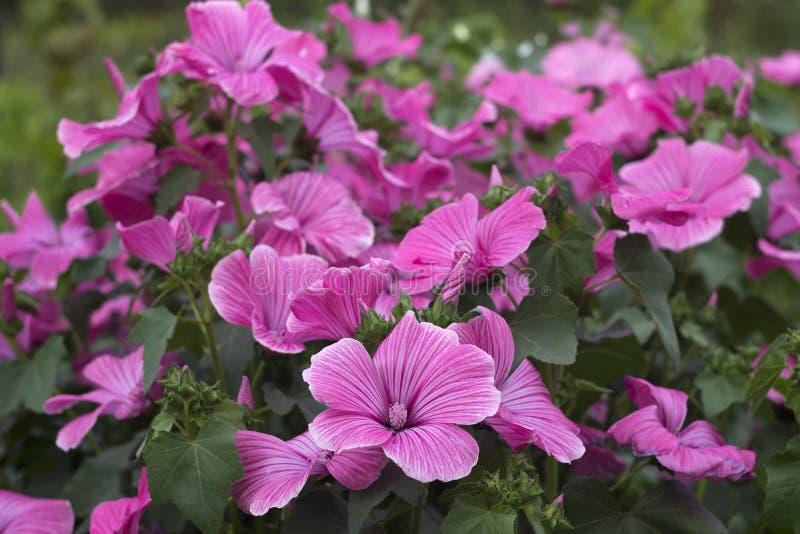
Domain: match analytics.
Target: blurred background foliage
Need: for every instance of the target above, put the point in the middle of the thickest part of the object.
(51, 52)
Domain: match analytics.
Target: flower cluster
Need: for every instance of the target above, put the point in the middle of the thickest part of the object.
(278, 209)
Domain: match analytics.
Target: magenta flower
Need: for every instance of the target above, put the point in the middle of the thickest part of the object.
(466, 139)
(526, 413)
(784, 204)
(773, 258)
(680, 195)
(452, 243)
(117, 391)
(257, 293)
(275, 471)
(331, 307)
(784, 69)
(598, 462)
(588, 168)
(374, 42)
(123, 515)
(587, 62)
(20, 514)
(138, 115)
(39, 245)
(239, 49)
(127, 179)
(158, 241)
(697, 451)
(37, 327)
(606, 271)
(407, 400)
(245, 395)
(539, 101)
(314, 209)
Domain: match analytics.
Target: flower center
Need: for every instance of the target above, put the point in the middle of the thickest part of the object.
(325, 457)
(397, 415)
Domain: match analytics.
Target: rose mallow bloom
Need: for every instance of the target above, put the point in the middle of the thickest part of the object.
(680, 195)
(526, 413)
(407, 400)
(697, 451)
(588, 168)
(275, 471)
(587, 62)
(258, 292)
(451, 243)
(784, 69)
(123, 515)
(20, 514)
(117, 391)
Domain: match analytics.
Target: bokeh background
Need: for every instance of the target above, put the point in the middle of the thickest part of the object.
(51, 52)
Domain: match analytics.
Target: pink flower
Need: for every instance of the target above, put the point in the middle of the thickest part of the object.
(158, 241)
(127, 179)
(374, 42)
(773, 258)
(466, 139)
(118, 391)
(598, 462)
(245, 395)
(138, 115)
(331, 307)
(680, 195)
(784, 205)
(451, 243)
(257, 293)
(407, 400)
(123, 515)
(20, 514)
(587, 62)
(314, 209)
(622, 122)
(240, 50)
(604, 262)
(482, 72)
(39, 245)
(588, 168)
(697, 451)
(37, 327)
(275, 471)
(526, 413)
(784, 69)
(786, 374)
(539, 101)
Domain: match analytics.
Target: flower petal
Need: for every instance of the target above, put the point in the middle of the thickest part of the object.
(336, 430)
(433, 452)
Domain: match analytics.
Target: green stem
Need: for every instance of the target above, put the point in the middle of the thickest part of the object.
(551, 478)
(208, 331)
(638, 466)
(594, 286)
(415, 511)
(233, 512)
(232, 131)
(701, 489)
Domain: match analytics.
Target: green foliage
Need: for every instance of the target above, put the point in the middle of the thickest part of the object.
(782, 504)
(153, 329)
(544, 327)
(30, 381)
(470, 515)
(562, 260)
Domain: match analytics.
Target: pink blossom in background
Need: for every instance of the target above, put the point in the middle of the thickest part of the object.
(784, 205)
(786, 374)
(482, 72)
(257, 293)
(127, 179)
(604, 262)
(407, 400)
(312, 209)
(331, 307)
(622, 122)
(39, 245)
(374, 42)
(242, 50)
(587, 62)
(680, 195)
(531, 164)
(784, 69)
(138, 116)
(598, 461)
(792, 144)
(37, 327)
(697, 451)
(526, 413)
(452, 243)
(588, 168)
(741, 104)
(773, 258)
(117, 391)
(275, 471)
(123, 515)
(158, 241)
(467, 139)
(539, 101)
(20, 514)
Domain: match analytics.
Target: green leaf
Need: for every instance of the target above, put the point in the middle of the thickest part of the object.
(759, 210)
(669, 507)
(88, 158)
(719, 391)
(782, 502)
(153, 329)
(473, 516)
(648, 273)
(608, 360)
(194, 474)
(174, 185)
(235, 345)
(260, 132)
(769, 369)
(279, 402)
(392, 480)
(30, 381)
(563, 263)
(317, 512)
(544, 327)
